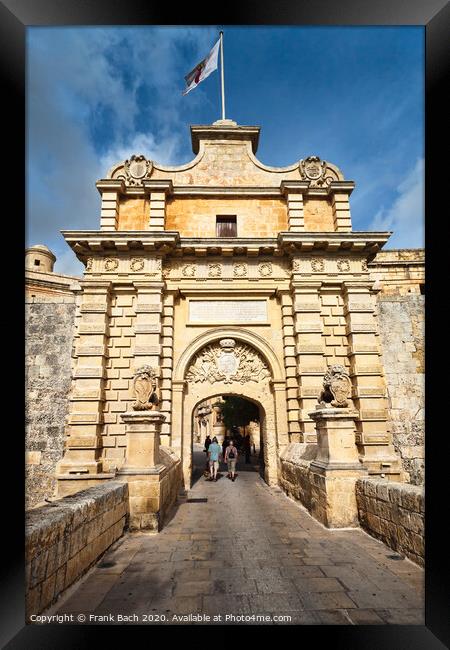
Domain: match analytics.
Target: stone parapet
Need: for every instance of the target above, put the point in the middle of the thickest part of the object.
(395, 514)
(65, 538)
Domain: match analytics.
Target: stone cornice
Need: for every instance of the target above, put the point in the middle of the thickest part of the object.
(374, 263)
(367, 242)
(84, 243)
(167, 186)
(52, 284)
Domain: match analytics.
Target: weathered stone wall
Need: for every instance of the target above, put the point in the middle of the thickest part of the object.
(294, 472)
(62, 541)
(393, 513)
(49, 329)
(401, 324)
(399, 271)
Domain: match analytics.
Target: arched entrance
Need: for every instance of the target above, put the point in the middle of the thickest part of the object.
(230, 362)
(234, 425)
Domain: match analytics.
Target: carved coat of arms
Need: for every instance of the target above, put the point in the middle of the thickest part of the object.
(227, 362)
(137, 168)
(313, 169)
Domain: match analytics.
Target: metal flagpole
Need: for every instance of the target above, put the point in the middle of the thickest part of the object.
(222, 77)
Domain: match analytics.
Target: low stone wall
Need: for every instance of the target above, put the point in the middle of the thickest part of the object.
(393, 513)
(171, 482)
(64, 540)
(294, 472)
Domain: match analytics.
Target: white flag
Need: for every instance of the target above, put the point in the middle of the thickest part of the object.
(203, 69)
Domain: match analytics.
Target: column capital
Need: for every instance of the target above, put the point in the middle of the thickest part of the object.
(308, 286)
(278, 384)
(95, 286)
(151, 286)
(341, 187)
(178, 385)
(143, 417)
(154, 185)
(333, 414)
(110, 185)
(293, 187)
(355, 286)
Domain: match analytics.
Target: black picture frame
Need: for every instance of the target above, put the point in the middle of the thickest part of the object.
(434, 15)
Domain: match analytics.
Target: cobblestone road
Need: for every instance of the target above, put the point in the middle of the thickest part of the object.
(249, 551)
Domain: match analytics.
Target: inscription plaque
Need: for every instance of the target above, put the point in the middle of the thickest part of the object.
(228, 311)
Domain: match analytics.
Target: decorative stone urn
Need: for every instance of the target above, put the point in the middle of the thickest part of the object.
(336, 467)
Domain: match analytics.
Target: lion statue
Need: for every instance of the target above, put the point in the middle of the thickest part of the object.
(145, 389)
(336, 387)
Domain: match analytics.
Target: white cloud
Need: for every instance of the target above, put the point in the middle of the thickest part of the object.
(405, 216)
(72, 73)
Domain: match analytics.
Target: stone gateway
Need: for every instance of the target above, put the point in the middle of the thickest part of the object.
(171, 314)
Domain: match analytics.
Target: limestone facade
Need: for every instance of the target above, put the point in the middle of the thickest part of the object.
(261, 314)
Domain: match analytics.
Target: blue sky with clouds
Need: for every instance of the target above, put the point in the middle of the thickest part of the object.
(351, 95)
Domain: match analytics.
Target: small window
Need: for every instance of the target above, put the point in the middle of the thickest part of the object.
(37, 262)
(226, 226)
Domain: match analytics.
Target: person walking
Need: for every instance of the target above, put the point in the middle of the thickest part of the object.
(214, 451)
(231, 456)
(207, 443)
(224, 445)
(247, 448)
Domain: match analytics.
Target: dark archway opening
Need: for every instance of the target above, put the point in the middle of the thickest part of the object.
(233, 416)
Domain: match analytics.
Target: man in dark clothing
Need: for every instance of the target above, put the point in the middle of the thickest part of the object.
(207, 443)
(247, 448)
(224, 445)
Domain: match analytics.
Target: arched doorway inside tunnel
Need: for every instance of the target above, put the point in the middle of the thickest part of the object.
(229, 361)
(225, 417)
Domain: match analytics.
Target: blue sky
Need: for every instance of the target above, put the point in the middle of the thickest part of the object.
(352, 95)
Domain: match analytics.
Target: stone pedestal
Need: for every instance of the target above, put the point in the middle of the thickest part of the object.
(336, 468)
(142, 468)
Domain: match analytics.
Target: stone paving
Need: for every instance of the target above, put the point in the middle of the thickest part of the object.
(248, 551)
